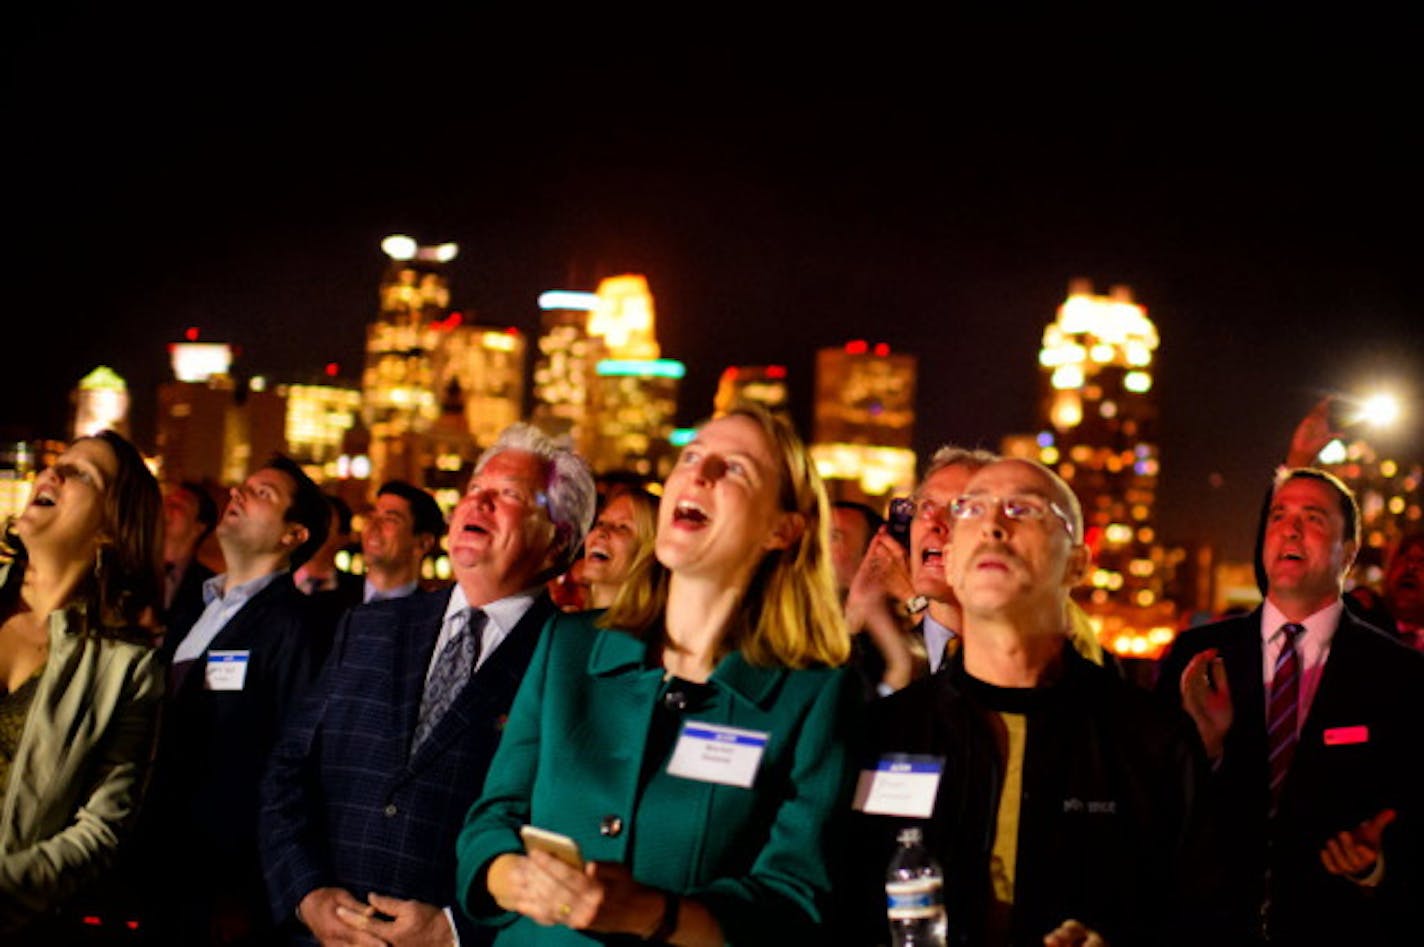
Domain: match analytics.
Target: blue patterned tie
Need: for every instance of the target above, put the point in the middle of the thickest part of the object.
(1282, 711)
(451, 674)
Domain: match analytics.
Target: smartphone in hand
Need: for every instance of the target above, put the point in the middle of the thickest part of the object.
(561, 847)
(902, 512)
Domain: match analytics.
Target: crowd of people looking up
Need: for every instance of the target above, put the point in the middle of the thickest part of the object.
(684, 718)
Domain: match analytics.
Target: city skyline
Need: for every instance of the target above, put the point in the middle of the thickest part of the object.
(1255, 186)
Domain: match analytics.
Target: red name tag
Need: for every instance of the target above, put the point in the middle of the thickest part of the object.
(1342, 736)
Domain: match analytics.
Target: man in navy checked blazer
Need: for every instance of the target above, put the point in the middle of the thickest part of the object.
(371, 781)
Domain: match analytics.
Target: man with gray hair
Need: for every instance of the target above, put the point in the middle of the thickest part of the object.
(368, 787)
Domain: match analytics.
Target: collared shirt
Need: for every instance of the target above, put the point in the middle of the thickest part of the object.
(501, 617)
(221, 606)
(373, 594)
(936, 636)
(1312, 648)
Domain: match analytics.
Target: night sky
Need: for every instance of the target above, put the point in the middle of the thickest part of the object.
(785, 183)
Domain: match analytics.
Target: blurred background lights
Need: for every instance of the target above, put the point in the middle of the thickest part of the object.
(399, 247)
(1334, 452)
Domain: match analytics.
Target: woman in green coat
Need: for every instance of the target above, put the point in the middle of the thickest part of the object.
(694, 741)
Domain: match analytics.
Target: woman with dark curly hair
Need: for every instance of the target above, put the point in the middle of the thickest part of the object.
(79, 685)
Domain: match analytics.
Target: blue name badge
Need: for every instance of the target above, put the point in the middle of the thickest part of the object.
(901, 784)
(712, 753)
(226, 670)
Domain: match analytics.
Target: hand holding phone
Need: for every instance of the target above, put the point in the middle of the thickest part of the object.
(902, 513)
(560, 846)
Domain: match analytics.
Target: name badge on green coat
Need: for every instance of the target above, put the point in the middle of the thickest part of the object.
(712, 753)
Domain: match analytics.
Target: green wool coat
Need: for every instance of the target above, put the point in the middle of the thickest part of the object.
(760, 859)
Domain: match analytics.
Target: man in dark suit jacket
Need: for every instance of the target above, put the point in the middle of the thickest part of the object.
(232, 678)
(189, 516)
(370, 783)
(1332, 854)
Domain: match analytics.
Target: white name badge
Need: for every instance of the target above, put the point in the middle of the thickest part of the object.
(712, 753)
(226, 670)
(901, 784)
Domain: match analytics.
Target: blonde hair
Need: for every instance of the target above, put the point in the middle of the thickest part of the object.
(790, 615)
(645, 518)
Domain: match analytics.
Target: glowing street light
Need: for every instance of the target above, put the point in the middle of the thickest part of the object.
(1379, 410)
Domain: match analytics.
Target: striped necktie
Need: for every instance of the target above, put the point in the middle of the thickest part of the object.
(1282, 710)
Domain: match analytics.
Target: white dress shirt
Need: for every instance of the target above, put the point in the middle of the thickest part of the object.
(1312, 648)
(501, 616)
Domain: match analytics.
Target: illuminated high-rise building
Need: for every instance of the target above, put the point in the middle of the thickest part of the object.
(758, 384)
(257, 429)
(635, 390)
(210, 426)
(1099, 431)
(101, 402)
(448, 451)
(864, 421)
(318, 419)
(479, 370)
(624, 318)
(637, 405)
(565, 369)
(600, 380)
(399, 396)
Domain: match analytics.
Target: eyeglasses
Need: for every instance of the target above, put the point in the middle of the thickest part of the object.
(921, 508)
(1023, 507)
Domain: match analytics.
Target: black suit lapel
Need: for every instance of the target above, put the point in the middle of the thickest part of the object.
(233, 636)
(418, 632)
(1335, 691)
(1242, 654)
(505, 667)
(1245, 763)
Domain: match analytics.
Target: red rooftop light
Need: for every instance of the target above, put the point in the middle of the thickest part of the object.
(448, 324)
(776, 371)
(856, 347)
(191, 334)
(882, 349)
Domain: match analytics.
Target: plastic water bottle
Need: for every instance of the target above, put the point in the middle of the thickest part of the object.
(914, 895)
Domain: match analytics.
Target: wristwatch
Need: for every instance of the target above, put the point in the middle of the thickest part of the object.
(916, 604)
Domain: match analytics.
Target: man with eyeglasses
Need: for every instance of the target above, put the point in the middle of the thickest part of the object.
(914, 578)
(369, 786)
(1310, 717)
(1066, 808)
